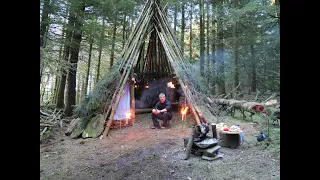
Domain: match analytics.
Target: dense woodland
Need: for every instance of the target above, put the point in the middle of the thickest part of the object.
(228, 42)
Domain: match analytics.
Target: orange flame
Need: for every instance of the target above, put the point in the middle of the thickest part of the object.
(170, 85)
(184, 110)
(128, 115)
(147, 86)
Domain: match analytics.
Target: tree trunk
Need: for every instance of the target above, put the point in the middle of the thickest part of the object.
(100, 48)
(253, 69)
(201, 39)
(65, 56)
(190, 47)
(207, 37)
(74, 60)
(55, 89)
(114, 33)
(58, 78)
(175, 19)
(78, 87)
(213, 50)
(182, 27)
(236, 58)
(44, 88)
(43, 27)
(88, 70)
(124, 30)
(221, 79)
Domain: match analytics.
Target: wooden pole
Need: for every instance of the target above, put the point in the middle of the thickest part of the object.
(132, 100)
(131, 57)
(127, 72)
(190, 143)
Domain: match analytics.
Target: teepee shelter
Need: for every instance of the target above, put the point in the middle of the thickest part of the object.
(150, 60)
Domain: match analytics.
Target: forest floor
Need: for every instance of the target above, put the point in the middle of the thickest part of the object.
(138, 152)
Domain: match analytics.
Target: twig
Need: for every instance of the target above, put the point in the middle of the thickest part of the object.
(60, 122)
(44, 113)
(255, 99)
(44, 130)
(54, 115)
(232, 91)
(272, 96)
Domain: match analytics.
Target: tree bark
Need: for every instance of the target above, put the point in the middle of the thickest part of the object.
(253, 69)
(100, 48)
(190, 47)
(78, 88)
(175, 19)
(65, 56)
(44, 87)
(88, 70)
(77, 37)
(114, 33)
(58, 78)
(201, 39)
(124, 30)
(182, 27)
(236, 58)
(43, 27)
(221, 79)
(213, 50)
(207, 37)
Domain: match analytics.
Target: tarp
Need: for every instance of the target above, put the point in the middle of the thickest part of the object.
(124, 104)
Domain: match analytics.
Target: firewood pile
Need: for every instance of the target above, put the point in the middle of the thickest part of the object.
(49, 119)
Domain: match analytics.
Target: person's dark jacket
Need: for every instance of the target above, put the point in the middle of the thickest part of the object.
(165, 105)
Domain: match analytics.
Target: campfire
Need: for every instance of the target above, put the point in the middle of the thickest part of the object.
(128, 116)
(184, 112)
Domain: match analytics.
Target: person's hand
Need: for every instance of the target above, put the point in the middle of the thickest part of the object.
(155, 111)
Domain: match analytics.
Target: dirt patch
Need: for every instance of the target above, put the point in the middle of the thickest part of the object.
(138, 152)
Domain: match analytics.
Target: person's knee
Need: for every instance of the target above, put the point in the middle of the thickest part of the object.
(153, 115)
(166, 115)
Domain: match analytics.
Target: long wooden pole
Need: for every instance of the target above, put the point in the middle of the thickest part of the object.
(135, 30)
(127, 72)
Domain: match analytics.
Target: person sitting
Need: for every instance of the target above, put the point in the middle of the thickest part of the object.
(161, 111)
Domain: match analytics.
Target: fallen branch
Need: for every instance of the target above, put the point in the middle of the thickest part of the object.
(44, 113)
(43, 125)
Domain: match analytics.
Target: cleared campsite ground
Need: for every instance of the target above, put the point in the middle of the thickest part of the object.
(138, 152)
